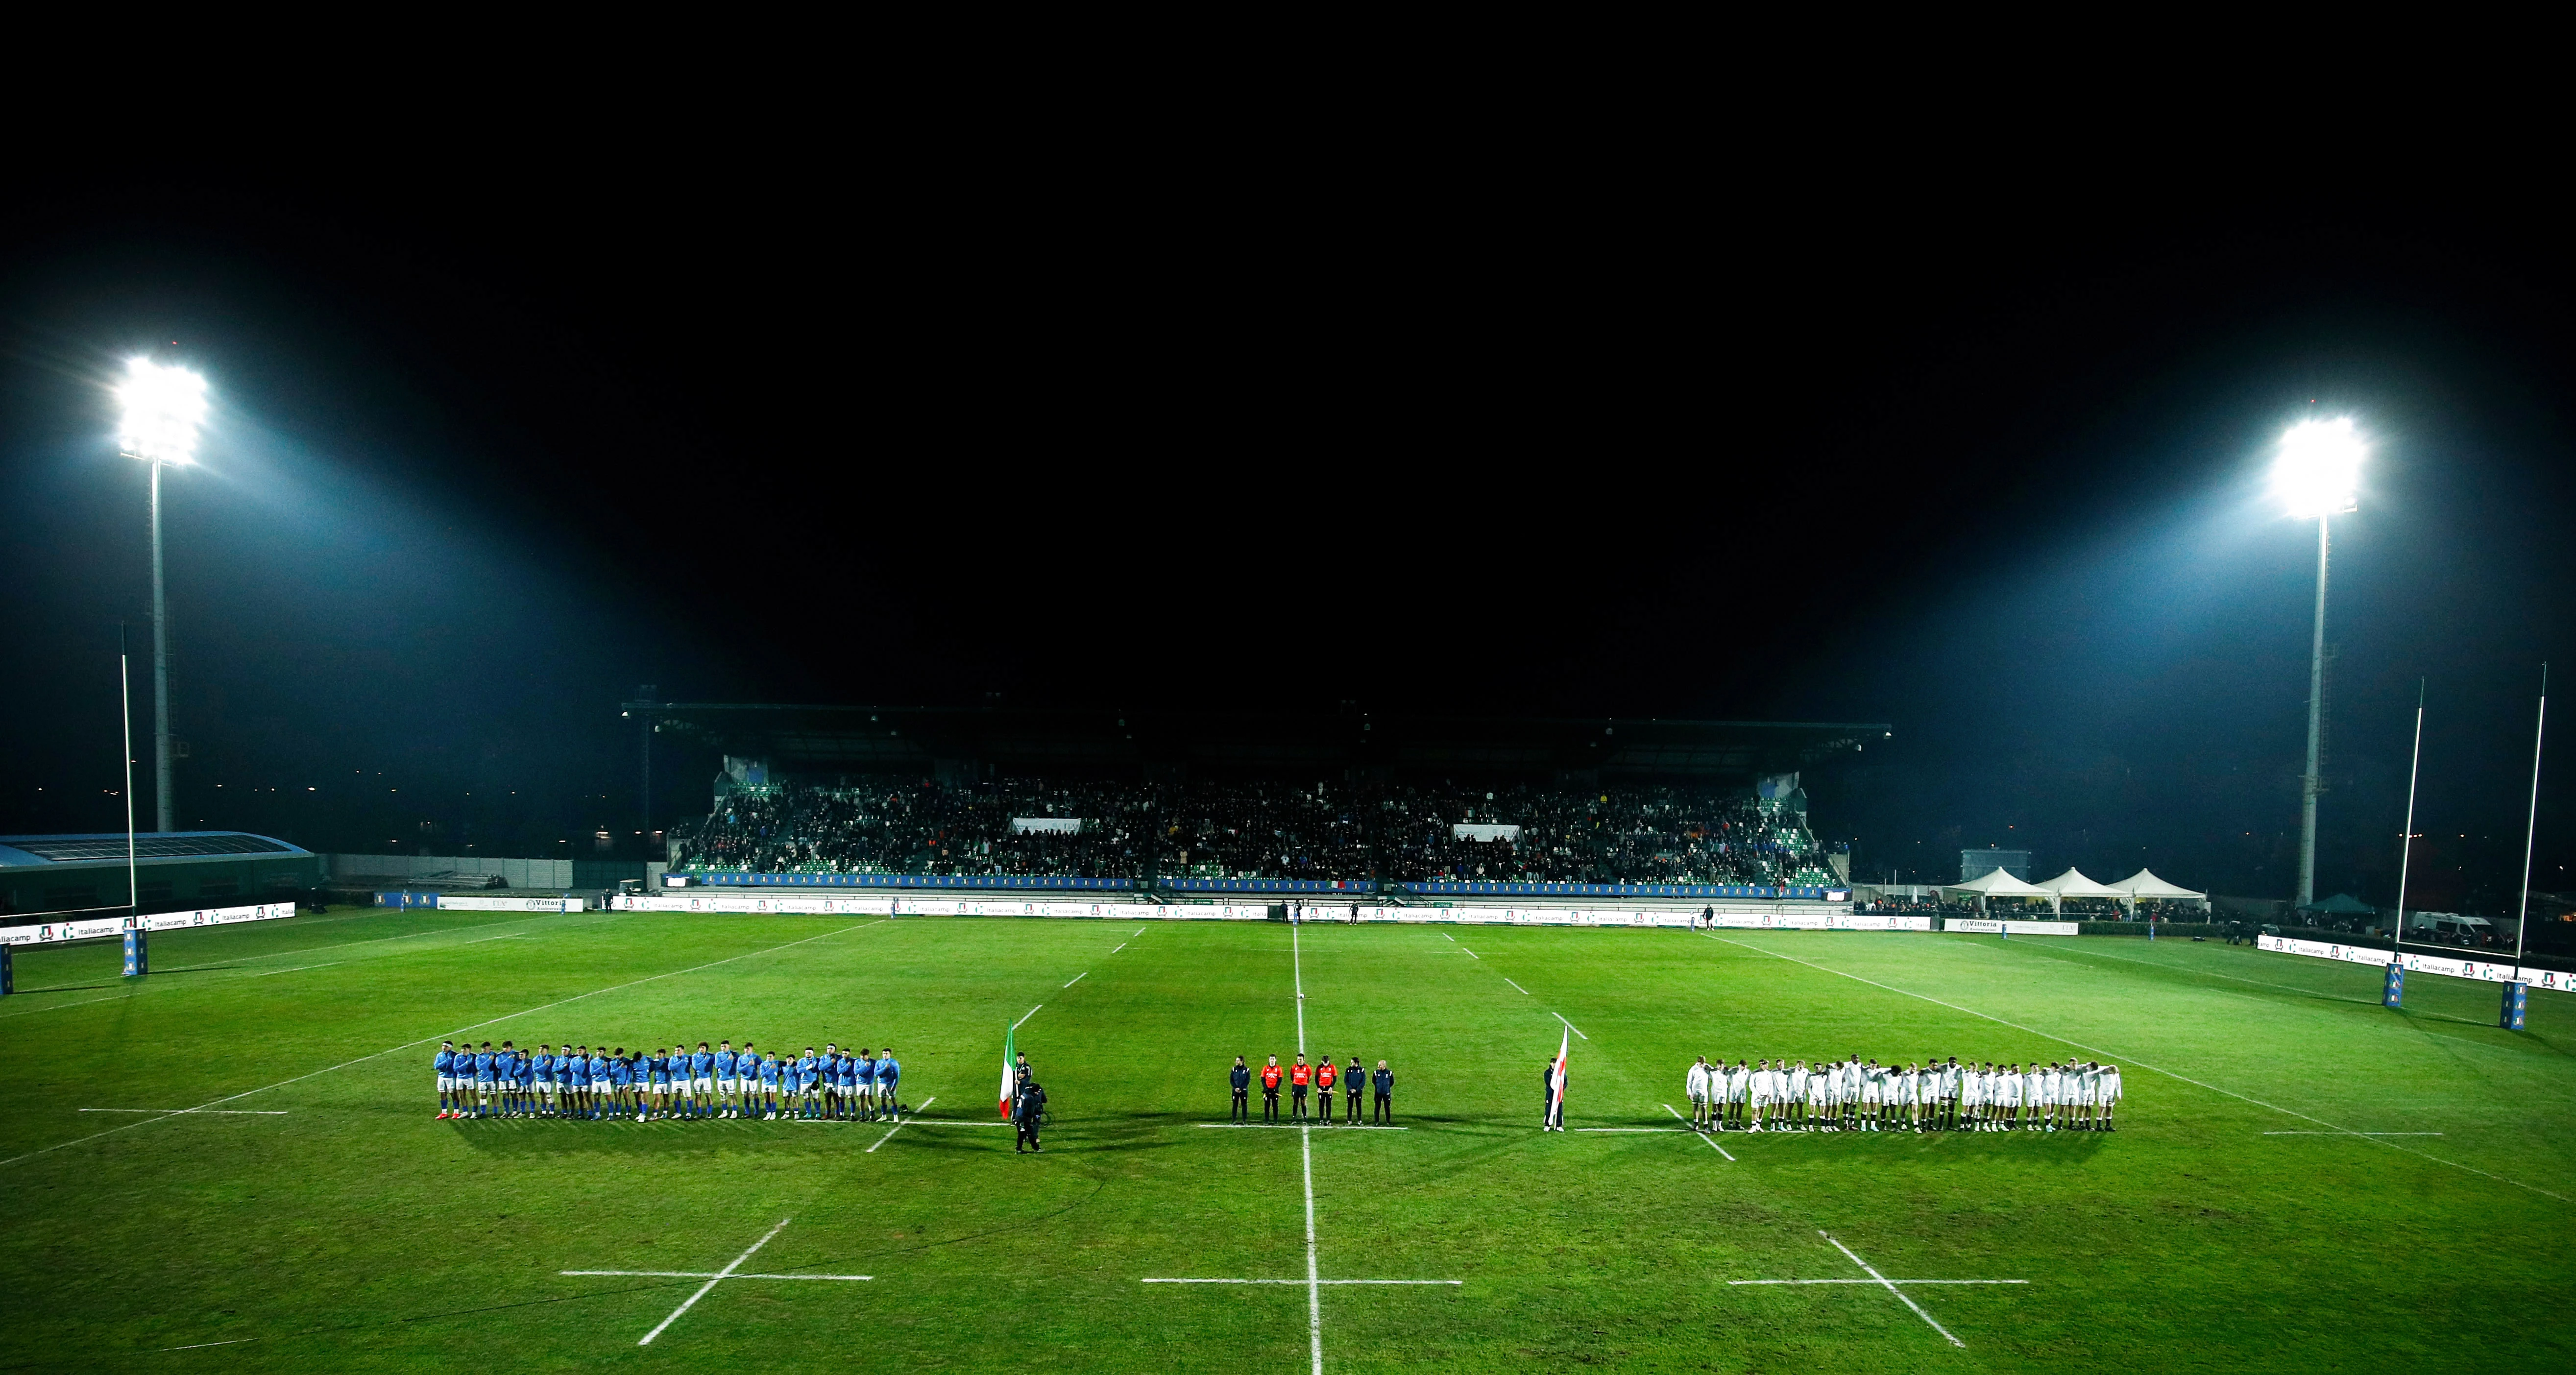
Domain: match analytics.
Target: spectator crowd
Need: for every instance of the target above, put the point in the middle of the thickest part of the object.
(1410, 832)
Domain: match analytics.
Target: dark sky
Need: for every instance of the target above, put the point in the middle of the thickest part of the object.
(487, 457)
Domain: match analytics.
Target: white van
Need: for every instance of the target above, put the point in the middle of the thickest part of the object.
(2450, 928)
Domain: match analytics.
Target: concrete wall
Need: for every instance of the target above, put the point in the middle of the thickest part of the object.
(515, 873)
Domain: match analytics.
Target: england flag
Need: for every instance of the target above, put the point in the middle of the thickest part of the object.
(1556, 1084)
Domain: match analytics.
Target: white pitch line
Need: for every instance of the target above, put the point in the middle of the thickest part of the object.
(2131, 1059)
(1471, 954)
(1306, 1155)
(712, 1281)
(1569, 1025)
(1197, 1281)
(210, 1112)
(1081, 976)
(1031, 1013)
(711, 1274)
(444, 1035)
(899, 1124)
(1704, 1136)
(1633, 1129)
(1292, 1127)
(298, 969)
(1878, 1281)
(1516, 987)
(200, 1346)
(1901, 1295)
(2326, 1133)
(1120, 946)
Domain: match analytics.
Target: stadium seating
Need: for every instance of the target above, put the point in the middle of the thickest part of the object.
(1225, 832)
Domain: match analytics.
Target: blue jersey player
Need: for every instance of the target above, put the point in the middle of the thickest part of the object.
(769, 1086)
(545, 1068)
(449, 1101)
(728, 1080)
(485, 1085)
(888, 1072)
(702, 1081)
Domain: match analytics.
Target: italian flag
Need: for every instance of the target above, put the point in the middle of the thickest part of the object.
(1006, 1074)
(1556, 1084)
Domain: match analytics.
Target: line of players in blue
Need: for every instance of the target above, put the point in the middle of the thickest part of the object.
(668, 1083)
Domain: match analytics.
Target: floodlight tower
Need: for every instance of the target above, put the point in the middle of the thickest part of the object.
(163, 407)
(2315, 474)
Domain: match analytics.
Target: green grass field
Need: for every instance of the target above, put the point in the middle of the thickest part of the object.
(346, 1229)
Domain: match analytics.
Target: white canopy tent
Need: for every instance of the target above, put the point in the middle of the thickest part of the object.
(2144, 885)
(1996, 883)
(2072, 884)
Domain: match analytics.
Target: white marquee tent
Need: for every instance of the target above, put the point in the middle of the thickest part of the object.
(2072, 884)
(1997, 883)
(2145, 885)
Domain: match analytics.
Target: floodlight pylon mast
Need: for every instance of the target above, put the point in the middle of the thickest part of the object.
(2310, 784)
(2406, 842)
(161, 802)
(2522, 914)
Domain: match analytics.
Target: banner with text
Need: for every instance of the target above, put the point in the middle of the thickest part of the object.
(53, 932)
(2483, 970)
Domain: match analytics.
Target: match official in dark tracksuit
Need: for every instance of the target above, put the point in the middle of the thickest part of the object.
(1025, 1113)
(1242, 1080)
(1352, 1078)
(1385, 1084)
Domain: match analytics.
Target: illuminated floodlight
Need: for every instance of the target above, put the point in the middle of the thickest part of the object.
(163, 407)
(2319, 468)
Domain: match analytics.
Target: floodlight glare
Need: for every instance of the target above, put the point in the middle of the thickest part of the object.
(2319, 467)
(163, 407)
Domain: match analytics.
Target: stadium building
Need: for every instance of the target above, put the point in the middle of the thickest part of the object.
(173, 871)
(1397, 809)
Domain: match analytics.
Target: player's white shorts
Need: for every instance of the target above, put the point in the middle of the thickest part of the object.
(704, 1084)
(1869, 1098)
(546, 1088)
(447, 1083)
(486, 1085)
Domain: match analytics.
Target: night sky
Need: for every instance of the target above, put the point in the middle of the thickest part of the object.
(485, 460)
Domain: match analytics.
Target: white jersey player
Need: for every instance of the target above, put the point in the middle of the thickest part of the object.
(1695, 1086)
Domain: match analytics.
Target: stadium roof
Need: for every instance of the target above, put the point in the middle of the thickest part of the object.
(900, 739)
(36, 851)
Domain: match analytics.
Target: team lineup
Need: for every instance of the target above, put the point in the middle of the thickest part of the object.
(667, 1083)
(1864, 1095)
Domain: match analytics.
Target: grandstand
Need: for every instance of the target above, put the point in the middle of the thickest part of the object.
(1420, 806)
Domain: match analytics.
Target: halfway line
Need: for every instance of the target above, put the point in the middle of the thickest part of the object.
(1569, 1025)
(1523, 991)
(1081, 976)
(1031, 1013)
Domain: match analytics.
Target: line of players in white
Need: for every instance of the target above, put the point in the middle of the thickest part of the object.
(1864, 1095)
